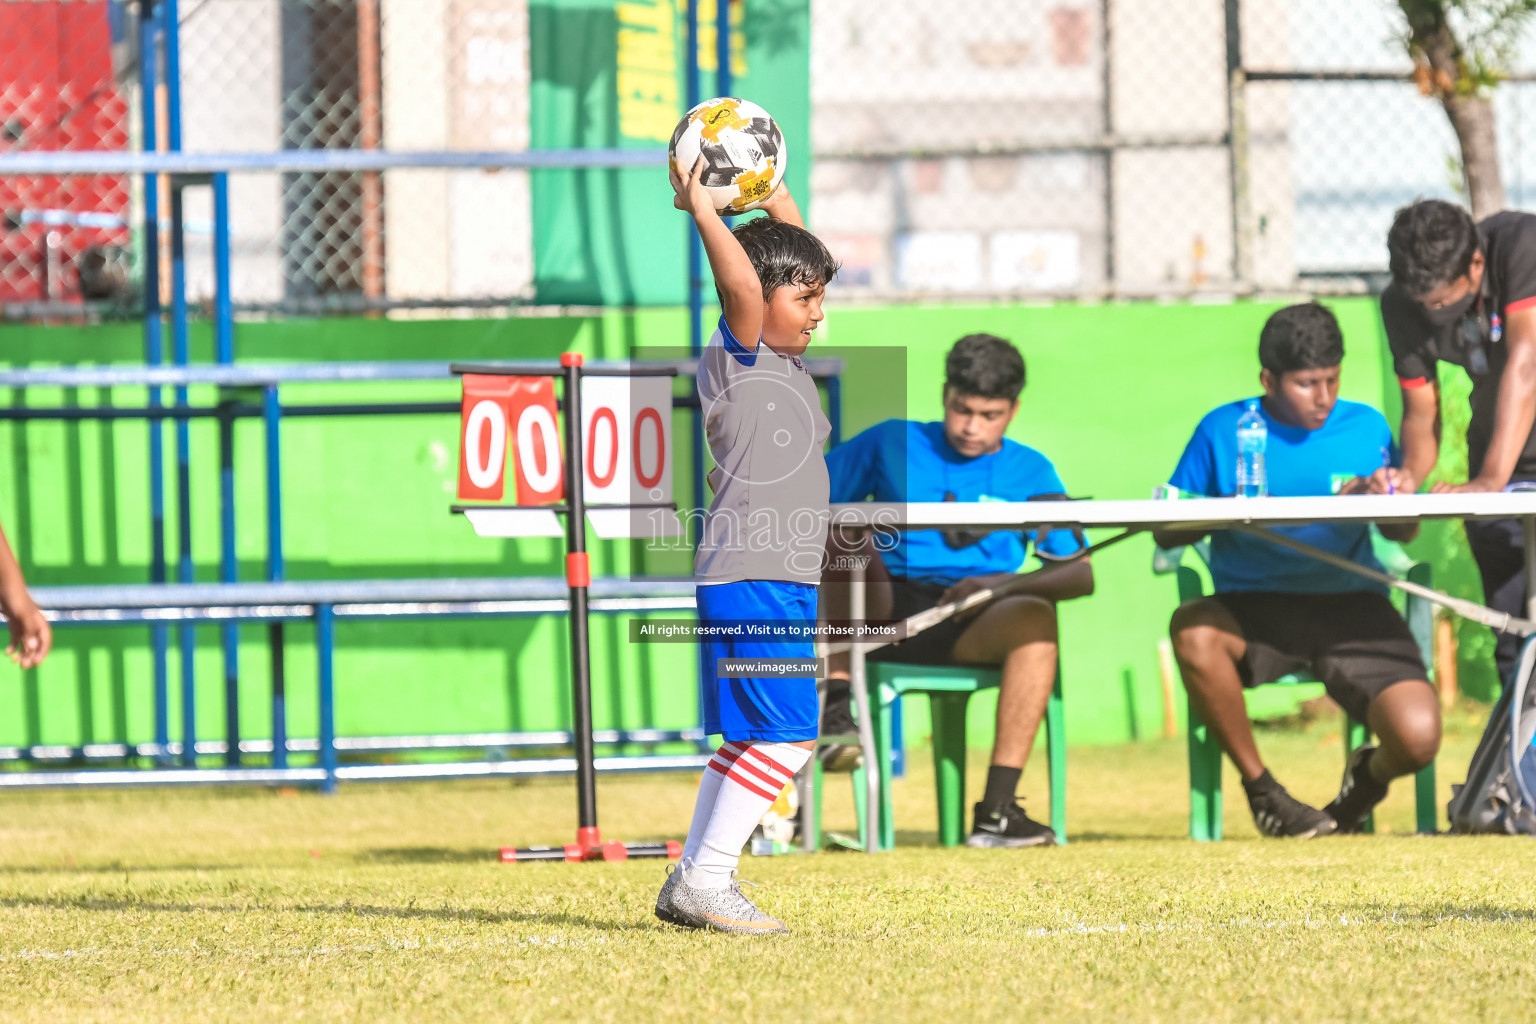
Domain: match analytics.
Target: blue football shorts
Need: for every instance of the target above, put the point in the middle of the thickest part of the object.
(776, 709)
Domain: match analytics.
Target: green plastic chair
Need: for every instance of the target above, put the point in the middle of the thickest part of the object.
(949, 689)
(1205, 752)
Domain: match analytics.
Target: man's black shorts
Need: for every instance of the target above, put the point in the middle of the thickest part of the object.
(1356, 644)
(934, 645)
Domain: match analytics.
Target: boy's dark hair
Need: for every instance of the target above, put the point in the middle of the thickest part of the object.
(1430, 242)
(785, 255)
(1301, 337)
(986, 366)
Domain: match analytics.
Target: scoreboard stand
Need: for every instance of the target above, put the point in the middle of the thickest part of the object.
(511, 406)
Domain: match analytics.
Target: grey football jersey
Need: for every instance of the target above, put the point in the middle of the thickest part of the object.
(763, 419)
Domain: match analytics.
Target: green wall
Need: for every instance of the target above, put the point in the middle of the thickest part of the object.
(1114, 391)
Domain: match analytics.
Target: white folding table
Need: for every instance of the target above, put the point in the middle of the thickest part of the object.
(1137, 516)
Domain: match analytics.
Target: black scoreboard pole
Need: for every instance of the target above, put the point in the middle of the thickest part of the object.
(578, 577)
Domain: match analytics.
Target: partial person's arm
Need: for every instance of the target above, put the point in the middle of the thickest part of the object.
(1055, 582)
(1170, 539)
(1420, 433)
(1515, 412)
(1414, 362)
(1400, 531)
(781, 206)
(741, 293)
(31, 637)
(1421, 446)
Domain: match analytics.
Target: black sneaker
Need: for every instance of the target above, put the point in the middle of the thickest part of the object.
(1008, 826)
(1358, 794)
(837, 720)
(1281, 816)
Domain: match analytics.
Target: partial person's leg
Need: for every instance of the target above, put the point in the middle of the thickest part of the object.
(769, 724)
(746, 776)
(710, 694)
(844, 550)
(1211, 646)
(750, 782)
(1406, 720)
(709, 788)
(1375, 671)
(1405, 717)
(1018, 634)
(1498, 547)
(710, 651)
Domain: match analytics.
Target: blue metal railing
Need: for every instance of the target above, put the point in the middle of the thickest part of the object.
(196, 170)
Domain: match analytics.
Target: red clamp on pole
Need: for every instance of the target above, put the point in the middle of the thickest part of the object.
(570, 359)
(578, 569)
(587, 840)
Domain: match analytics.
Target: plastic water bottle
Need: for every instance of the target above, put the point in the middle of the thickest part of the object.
(1252, 437)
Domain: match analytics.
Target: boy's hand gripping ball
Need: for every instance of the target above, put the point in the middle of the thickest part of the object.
(743, 149)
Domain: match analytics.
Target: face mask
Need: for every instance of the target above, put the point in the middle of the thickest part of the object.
(1447, 315)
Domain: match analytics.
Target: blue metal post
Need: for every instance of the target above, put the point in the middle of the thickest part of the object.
(325, 644)
(229, 567)
(149, 31)
(223, 301)
(271, 414)
(723, 57)
(723, 47)
(695, 269)
(695, 280)
(171, 23)
(181, 355)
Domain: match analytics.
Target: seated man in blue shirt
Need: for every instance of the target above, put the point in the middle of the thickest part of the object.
(1276, 611)
(964, 458)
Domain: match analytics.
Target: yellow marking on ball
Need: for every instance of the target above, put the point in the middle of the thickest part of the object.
(753, 187)
(719, 117)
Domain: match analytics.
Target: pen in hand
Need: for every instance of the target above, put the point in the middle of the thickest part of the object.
(1386, 465)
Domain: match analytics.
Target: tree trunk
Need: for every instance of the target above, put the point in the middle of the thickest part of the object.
(1472, 118)
(1470, 112)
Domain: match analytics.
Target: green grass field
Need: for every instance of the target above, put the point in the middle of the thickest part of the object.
(386, 903)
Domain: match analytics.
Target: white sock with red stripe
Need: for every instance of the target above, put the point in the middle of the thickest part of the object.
(751, 776)
(709, 787)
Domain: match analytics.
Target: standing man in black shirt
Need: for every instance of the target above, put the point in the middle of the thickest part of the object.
(1465, 292)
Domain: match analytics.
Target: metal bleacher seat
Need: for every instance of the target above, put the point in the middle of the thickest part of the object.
(323, 602)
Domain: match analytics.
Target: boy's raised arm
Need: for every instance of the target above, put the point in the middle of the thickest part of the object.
(741, 293)
(782, 206)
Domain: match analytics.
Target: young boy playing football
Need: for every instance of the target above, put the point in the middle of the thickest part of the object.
(759, 560)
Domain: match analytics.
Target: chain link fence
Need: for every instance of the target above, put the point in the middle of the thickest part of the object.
(65, 83)
(260, 76)
(1127, 147)
(989, 148)
(1341, 137)
(402, 74)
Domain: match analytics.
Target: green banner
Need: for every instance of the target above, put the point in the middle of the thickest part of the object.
(611, 75)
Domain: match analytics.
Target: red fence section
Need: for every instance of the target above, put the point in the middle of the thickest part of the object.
(58, 91)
